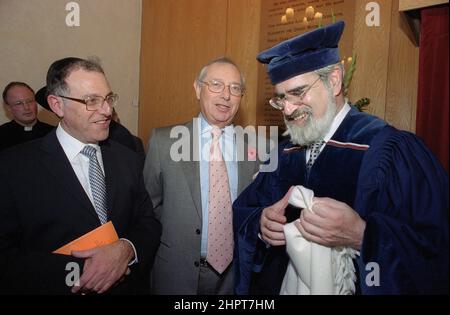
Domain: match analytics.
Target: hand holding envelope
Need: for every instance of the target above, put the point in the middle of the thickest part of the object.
(103, 235)
(104, 266)
(106, 258)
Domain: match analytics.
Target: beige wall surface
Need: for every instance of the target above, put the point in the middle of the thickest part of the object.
(34, 33)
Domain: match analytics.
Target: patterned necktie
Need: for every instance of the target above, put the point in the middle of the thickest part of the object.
(314, 153)
(97, 182)
(220, 225)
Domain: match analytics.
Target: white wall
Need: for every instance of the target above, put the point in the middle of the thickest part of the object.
(33, 34)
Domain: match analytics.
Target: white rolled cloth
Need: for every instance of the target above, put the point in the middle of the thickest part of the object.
(315, 269)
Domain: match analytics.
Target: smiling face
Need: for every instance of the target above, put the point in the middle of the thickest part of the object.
(313, 103)
(86, 126)
(21, 104)
(310, 119)
(219, 109)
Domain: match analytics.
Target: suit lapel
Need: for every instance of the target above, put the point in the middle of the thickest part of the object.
(245, 172)
(57, 164)
(111, 184)
(191, 169)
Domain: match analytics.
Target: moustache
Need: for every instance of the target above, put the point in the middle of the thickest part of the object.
(297, 113)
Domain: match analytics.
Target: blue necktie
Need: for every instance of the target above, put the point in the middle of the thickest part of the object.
(314, 153)
(97, 182)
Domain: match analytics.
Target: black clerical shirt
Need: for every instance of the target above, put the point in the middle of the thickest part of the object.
(13, 133)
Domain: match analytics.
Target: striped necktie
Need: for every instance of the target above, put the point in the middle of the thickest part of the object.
(97, 183)
(314, 153)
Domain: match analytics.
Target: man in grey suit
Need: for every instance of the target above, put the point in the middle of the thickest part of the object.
(177, 175)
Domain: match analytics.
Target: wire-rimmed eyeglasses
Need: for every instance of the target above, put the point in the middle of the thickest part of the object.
(95, 102)
(279, 102)
(23, 103)
(217, 86)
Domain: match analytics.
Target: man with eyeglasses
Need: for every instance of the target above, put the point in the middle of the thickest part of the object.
(193, 196)
(374, 191)
(68, 183)
(19, 101)
(117, 131)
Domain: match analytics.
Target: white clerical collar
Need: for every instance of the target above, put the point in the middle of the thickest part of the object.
(27, 127)
(71, 145)
(337, 121)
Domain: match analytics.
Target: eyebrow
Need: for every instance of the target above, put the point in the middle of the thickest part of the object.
(25, 100)
(221, 81)
(295, 90)
(95, 94)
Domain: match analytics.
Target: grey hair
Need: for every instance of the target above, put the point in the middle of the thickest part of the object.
(324, 73)
(224, 60)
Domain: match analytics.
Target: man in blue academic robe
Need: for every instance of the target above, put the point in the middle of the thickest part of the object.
(377, 189)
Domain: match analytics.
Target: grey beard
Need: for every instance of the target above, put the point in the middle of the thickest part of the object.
(313, 129)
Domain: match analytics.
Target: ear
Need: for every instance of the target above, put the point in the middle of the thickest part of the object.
(197, 89)
(8, 107)
(335, 78)
(56, 105)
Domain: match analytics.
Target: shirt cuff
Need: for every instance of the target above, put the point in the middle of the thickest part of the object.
(135, 260)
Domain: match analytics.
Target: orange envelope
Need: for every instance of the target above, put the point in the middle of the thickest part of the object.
(103, 235)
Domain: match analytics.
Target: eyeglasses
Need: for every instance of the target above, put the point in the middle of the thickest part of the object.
(216, 86)
(23, 103)
(293, 98)
(94, 103)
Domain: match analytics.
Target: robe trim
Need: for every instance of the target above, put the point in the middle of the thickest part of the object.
(334, 143)
(293, 149)
(349, 145)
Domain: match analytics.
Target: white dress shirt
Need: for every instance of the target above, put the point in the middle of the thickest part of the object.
(80, 163)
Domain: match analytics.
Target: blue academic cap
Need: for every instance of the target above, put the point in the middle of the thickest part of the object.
(304, 53)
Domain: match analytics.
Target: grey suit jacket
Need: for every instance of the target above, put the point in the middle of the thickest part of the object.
(174, 189)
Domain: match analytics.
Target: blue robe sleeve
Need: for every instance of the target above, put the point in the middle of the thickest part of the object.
(247, 210)
(403, 197)
(258, 268)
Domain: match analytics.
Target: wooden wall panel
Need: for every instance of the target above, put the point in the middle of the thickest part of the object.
(242, 45)
(416, 4)
(403, 74)
(371, 45)
(387, 65)
(178, 38)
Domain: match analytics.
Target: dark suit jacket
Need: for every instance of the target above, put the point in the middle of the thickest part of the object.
(13, 133)
(119, 133)
(43, 206)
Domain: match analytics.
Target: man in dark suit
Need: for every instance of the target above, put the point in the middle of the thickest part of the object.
(121, 134)
(57, 188)
(20, 102)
